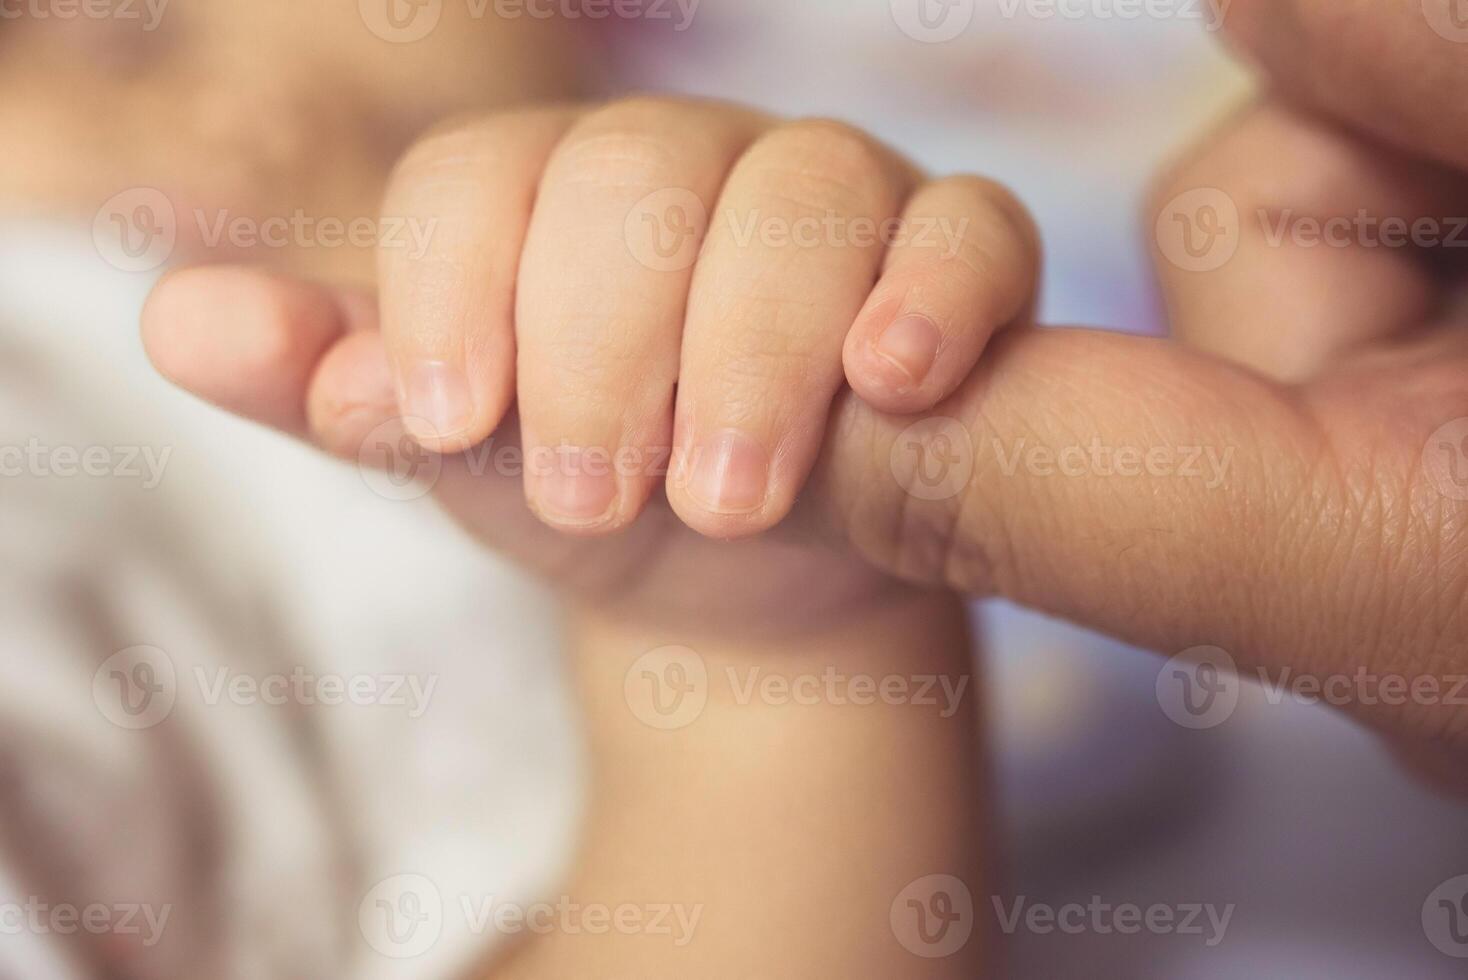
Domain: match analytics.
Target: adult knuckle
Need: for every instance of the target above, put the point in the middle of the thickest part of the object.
(1276, 32)
(1228, 161)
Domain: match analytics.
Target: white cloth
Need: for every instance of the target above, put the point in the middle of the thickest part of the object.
(241, 559)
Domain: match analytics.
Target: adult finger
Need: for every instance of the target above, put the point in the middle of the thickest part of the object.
(1175, 500)
(1285, 241)
(1396, 69)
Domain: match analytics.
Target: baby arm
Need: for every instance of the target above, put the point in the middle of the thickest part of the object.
(806, 808)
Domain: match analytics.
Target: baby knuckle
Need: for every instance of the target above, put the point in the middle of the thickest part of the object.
(1006, 216)
(642, 111)
(615, 158)
(976, 266)
(821, 166)
(623, 145)
(765, 344)
(990, 192)
(456, 149)
(589, 340)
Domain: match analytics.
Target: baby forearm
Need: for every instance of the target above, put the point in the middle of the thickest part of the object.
(782, 811)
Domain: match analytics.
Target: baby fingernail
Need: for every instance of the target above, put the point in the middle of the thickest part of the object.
(910, 345)
(575, 486)
(730, 473)
(438, 402)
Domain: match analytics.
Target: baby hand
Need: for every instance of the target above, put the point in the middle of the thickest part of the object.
(656, 275)
(672, 294)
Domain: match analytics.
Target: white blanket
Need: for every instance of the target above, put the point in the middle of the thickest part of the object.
(344, 690)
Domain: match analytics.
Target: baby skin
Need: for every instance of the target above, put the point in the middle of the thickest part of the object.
(664, 354)
(691, 323)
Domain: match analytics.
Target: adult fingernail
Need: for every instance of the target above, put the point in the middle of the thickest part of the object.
(438, 402)
(575, 486)
(910, 345)
(730, 473)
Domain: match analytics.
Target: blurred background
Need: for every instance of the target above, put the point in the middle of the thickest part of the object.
(198, 549)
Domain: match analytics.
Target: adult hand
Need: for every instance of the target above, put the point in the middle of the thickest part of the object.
(1314, 241)
(1347, 186)
(1294, 487)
